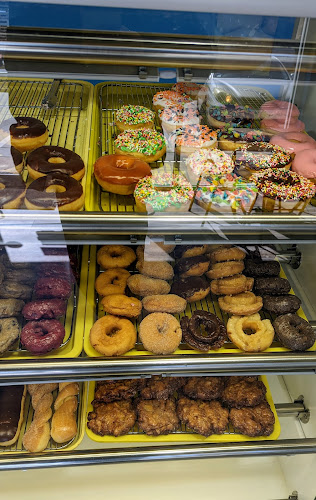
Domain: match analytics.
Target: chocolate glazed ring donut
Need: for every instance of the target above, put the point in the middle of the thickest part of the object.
(12, 189)
(55, 160)
(215, 331)
(51, 191)
(26, 133)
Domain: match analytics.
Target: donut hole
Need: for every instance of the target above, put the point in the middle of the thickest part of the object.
(55, 188)
(56, 159)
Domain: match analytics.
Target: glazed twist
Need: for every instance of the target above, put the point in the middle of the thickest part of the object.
(64, 422)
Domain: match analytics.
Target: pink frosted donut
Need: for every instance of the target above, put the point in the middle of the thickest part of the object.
(275, 126)
(293, 142)
(278, 110)
(304, 163)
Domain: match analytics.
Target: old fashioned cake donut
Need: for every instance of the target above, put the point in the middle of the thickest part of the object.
(223, 269)
(250, 333)
(242, 304)
(203, 331)
(232, 285)
(121, 305)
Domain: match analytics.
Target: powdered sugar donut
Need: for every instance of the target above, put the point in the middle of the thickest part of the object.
(208, 162)
(179, 116)
(276, 126)
(294, 142)
(304, 163)
(169, 98)
(188, 139)
(278, 110)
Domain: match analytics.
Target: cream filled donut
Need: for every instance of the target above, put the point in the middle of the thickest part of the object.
(145, 144)
(304, 163)
(278, 110)
(294, 142)
(275, 126)
(188, 139)
(179, 115)
(168, 98)
(208, 162)
(163, 192)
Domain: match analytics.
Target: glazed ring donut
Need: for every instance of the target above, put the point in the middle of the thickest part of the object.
(224, 269)
(54, 159)
(242, 304)
(294, 332)
(113, 336)
(232, 285)
(261, 338)
(160, 333)
(160, 270)
(232, 253)
(111, 256)
(120, 305)
(112, 281)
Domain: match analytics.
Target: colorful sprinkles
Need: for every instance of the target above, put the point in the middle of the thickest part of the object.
(133, 115)
(181, 115)
(261, 155)
(209, 162)
(163, 190)
(283, 185)
(169, 98)
(197, 136)
(190, 88)
(243, 135)
(145, 141)
(232, 114)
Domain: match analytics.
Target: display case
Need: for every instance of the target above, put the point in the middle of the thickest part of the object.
(69, 69)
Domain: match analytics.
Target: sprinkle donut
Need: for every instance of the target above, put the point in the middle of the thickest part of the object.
(163, 192)
(260, 156)
(208, 162)
(293, 142)
(192, 89)
(188, 139)
(234, 138)
(179, 116)
(134, 117)
(304, 163)
(278, 110)
(168, 98)
(231, 115)
(145, 144)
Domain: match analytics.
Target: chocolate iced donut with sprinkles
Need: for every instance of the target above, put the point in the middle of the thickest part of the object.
(258, 156)
(145, 144)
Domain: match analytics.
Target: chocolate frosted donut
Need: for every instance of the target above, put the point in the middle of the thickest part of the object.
(212, 336)
(26, 133)
(281, 304)
(12, 189)
(55, 190)
(259, 268)
(11, 160)
(192, 266)
(294, 332)
(54, 160)
(192, 288)
(272, 286)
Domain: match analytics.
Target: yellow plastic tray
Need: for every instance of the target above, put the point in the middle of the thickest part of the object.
(52, 446)
(183, 435)
(69, 123)
(74, 322)
(93, 312)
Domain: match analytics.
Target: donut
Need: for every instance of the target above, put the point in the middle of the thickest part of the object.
(41, 337)
(272, 286)
(157, 245)
(232, 285)
(52, 288)
(226, 193)
(11, 160)
(180, 115)
(163, 192)
(112, 256)
(260, 268)
(26, 133)
(143, 285)
(160, 333)
(203, 331)
(170, 303)
(233, 138)
(120, 305)
(242, 304)
(194, 90)
(261, 337)
(186, 251)
(259, 156)
(186, 140)
(44, 309)
(191, 289)
(253, 422)
(55, 191)
(293, 142)
(12, 190)
(275, 109)
(167, 98)
(145, 144)
(132, 117)
(15, 290)
(224, 269)
(112, 335)
(112, 282)
(208, 162)
(192, 266)
(54, 159)
(233, 115)
(304, 163)
(294, 332)
(281, 304)
(283, 191)
(120, 173)
(227, 253)
(160, 270)
(56, 270)
(275, 126)
(153, 253)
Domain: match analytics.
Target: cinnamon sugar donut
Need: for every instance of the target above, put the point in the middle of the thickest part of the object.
(160, 270)
(160, 333)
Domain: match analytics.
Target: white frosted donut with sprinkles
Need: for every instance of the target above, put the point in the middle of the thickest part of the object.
(186, 140)
(208, 162)
(179, 116)
(168, 98)
(163, 192)
(145, 144)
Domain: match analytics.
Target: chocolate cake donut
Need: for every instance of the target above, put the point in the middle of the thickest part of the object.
(281, 304)
(294, 332)
(272, 286)
(260, 268)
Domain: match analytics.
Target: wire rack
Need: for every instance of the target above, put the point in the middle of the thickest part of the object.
(27, 419)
